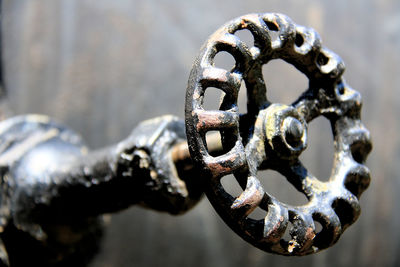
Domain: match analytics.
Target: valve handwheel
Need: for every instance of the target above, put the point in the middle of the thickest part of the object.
(273, 135)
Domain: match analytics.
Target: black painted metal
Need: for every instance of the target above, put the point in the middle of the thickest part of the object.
(53, 188)
(272, 136)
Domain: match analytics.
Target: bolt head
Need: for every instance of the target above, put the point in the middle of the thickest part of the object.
(293, 131)
(285, 130)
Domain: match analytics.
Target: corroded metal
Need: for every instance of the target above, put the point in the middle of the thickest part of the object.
(53, 189)
(272, 136)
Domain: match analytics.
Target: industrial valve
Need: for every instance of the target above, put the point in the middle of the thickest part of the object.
(54, 189)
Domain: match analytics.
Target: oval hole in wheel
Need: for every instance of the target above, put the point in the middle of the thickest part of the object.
(284, 82)
(231, 185)
(278, 186)
(319, 154)
(246, 37)
(212, 98)
(224, 60)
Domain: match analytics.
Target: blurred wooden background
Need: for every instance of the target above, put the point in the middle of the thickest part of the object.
(102, 66)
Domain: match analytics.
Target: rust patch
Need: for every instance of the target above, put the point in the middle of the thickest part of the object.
(218, 170)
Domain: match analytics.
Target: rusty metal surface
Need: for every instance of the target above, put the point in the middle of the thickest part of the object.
(272, 136)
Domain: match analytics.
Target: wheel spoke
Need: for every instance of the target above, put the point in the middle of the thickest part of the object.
(301, 178)
(307, 105)
(215, 120)
(255, 148)
(256, 90)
